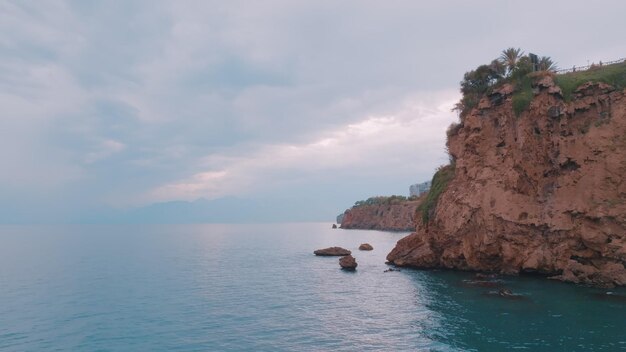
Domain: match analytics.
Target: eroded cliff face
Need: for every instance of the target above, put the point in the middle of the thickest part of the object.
(544, 192)
(384, 217)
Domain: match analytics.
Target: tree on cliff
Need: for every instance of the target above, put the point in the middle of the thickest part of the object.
(476, 82)
(513, 66)
(524, 66)
(480, 79)
(510, 57)
(546, 64)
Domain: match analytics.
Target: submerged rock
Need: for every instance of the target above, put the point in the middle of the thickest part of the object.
(610, 296)
(505, 292)
(366, 247)
(482, 283)
(486, 276)
(348, 262)
(332, 251)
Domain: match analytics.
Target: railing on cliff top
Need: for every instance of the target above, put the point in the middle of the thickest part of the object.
(593, 65)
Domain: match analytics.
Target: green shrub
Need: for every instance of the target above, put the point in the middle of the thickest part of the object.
(439, 183)
(381, 200)
(523, 94)
(453, 129)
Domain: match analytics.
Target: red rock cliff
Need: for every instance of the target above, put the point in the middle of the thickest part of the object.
(384, 217)
(544, 192)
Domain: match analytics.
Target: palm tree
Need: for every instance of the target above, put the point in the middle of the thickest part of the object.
(546, 64)
(509, 58)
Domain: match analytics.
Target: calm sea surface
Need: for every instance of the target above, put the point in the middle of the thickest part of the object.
(260, 288)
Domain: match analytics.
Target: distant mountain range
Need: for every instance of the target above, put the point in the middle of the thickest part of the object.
(222, 210)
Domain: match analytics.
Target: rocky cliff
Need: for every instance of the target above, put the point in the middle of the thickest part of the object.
(542, 192)
(384, 217)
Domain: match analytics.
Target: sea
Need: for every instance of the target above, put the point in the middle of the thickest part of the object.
(225, 287)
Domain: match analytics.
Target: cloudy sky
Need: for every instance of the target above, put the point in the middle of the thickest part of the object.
(309, 105)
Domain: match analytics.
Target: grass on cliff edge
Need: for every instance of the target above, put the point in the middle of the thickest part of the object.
(614, 75)
(382, 200)
(439, 183)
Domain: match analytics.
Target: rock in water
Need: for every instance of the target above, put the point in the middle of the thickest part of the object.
(366, 247)
(390, 270)
(505, 292)
(332, 251)
(348, 262)
(334, 226)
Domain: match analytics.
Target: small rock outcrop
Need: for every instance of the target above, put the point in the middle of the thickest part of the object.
(348, 262)
(334, 226)
(366, 247)
(332, 251)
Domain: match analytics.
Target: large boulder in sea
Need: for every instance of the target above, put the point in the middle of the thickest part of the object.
(332, 251)
(366, 247)
(348, 262)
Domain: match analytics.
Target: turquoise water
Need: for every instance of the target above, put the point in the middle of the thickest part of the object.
(260, 288)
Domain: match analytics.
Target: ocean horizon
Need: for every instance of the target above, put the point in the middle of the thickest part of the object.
(258, 287)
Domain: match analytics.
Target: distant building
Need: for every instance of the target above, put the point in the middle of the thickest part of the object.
(419, 188)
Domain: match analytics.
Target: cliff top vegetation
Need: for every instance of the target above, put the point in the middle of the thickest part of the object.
(520, 70)
(614, 75)
(382, 200)
(513, 66)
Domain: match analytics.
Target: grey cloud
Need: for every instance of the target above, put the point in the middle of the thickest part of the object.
(106, 101)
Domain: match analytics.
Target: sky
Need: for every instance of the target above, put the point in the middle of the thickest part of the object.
(274, 110)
